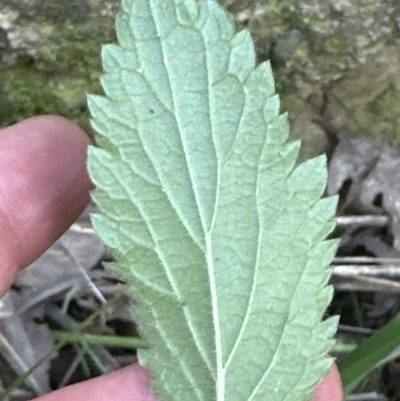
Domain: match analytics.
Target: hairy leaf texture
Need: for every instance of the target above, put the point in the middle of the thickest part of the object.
(219, 235)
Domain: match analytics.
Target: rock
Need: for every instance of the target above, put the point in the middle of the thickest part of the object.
(50, 56)
(333, 59)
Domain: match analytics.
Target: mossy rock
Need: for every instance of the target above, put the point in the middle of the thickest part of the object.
(320, 50)
(52, 70)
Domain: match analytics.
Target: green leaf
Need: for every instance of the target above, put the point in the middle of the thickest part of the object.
(370, 354)
(217, 233)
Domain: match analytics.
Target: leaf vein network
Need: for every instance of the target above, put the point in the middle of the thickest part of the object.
(286, 326)
(176, 352)
(197, 342)
(253, 285)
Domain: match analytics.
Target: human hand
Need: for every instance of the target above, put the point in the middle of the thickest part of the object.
(44, 187)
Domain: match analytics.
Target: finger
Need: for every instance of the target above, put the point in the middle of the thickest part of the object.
(331, 387)
(131, 384)
(128, 384)
(44, 187)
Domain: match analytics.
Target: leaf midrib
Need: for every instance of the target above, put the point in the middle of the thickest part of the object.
(200, 349)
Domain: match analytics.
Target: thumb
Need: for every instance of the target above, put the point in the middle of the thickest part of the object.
(330, 388)
(128, 384)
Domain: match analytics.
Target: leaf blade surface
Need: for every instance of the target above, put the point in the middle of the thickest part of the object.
(217, 233)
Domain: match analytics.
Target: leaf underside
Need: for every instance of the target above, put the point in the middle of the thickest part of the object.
(218, 234)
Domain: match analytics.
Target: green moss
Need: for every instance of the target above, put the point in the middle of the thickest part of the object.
(71, 55)
(303, 51)
(63, 69)
(368, 101)
(337, 44)
(278, 8)
(29, 94)
(74, 51)
(273, 20)
(370, 5)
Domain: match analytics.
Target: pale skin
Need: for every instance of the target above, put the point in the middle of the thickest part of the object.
(44, 186)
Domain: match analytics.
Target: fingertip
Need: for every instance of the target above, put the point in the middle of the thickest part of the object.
(128, 384)
(44, 186)
(331, 388)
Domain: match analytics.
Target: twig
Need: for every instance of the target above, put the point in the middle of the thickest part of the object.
(378, 220)
(355, 270)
